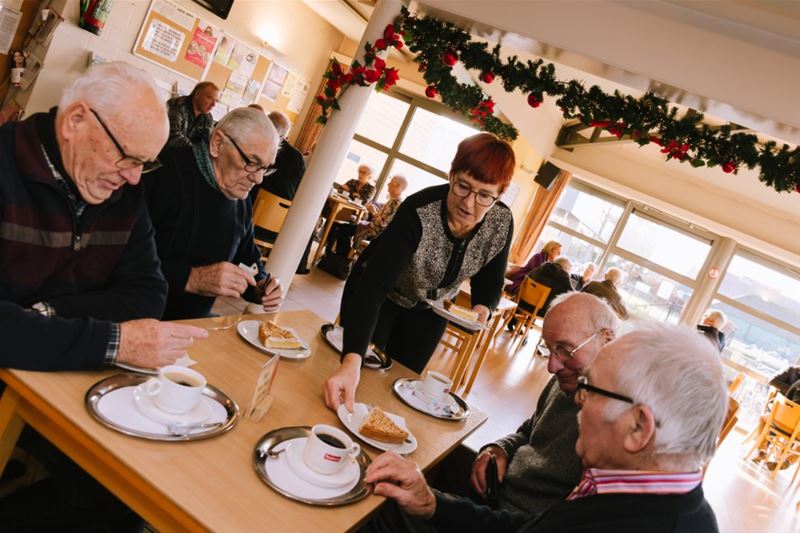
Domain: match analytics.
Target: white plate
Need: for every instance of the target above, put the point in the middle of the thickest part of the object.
(144, 402)
(335, 336)
(472, 325)
(248, 329)
(294, 454)
(352, 421)
(285, 479)
(411, 393)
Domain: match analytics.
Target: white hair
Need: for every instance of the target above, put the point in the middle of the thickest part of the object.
(600, 315)
(613, 275)
(564, 262)
(105, 86)
(717, 317)
(400, 179)
(281, 122)
(678, 375)
(246, 123)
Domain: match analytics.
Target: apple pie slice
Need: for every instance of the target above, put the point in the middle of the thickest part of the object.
(380, 427)
(272, 335)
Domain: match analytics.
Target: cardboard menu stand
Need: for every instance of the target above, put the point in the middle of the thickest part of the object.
(262, 399)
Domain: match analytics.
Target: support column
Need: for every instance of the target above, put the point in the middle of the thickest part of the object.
(719, 258)
(328, 157)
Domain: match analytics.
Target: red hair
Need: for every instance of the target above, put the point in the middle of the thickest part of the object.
(485, 158)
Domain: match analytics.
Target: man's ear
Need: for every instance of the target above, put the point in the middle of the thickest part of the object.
(215, 146)
(640, 428)
(73, 117)
(608, 335)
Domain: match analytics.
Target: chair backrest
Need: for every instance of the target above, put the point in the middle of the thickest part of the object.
(736, 383)
(533, 294)
(730, 419)
(269, 211)
(785, 414)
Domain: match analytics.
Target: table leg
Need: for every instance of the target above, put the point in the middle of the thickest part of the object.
(464, 358)
(10, 425)
(335, 207)
(484, 349)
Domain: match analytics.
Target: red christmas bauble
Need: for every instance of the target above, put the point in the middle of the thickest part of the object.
(449, 59)
(487, 77)
(380, 44)
(728, 167)
(431, 91)
(533, 101)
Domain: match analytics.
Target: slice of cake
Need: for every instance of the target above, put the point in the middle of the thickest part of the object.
(380, 427)
(463, 312)
(272, 335)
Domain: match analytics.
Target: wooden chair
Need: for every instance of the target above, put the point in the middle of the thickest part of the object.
(730, 419)
(780, 433)
(533, 295)
(736, 383)
(269, 213)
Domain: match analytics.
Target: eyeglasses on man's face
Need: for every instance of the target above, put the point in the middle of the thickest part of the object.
(126, 162)
(584, 388)
(250, 165)
(463, 190)
(564, 353)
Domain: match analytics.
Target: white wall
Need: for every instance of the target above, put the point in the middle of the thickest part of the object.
(305, 40)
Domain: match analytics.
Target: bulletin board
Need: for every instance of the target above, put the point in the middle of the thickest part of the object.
(177, 39)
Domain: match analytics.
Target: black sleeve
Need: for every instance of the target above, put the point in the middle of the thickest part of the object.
(392, 253)
(458, 514)
(487, 283)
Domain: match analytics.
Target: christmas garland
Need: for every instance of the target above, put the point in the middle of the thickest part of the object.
(438, 46)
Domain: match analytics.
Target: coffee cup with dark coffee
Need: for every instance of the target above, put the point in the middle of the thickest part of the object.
(177, 389)
(328, 449)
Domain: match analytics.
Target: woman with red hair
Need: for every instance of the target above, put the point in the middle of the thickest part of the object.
(438, 238)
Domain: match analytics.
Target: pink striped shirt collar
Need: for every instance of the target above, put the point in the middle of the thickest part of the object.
(600, 481)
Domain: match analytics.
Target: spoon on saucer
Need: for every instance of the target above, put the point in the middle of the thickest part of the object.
(182, 430)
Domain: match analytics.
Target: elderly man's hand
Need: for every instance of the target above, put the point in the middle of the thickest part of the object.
(478, 477)
(219, 279)
(401, 480)
(152, 344)
(272, 294)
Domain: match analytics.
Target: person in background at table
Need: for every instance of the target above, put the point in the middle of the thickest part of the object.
(553, 274)
(346, 234)
(283, 178)
(190, 115)
(711, 325)
(607, 290)
(360, 188)
(549, 252)
(580, 280)
(438, 238)
(650, 409)
(80, 282)
(203, 220)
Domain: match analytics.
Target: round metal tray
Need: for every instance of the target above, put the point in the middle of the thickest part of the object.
(375, 359)
(117, 381)
(462, 414)
(275, 437)
(137, 369)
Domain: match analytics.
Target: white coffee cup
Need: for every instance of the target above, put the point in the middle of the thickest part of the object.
(328, 449)
(177, 389)
(436, 385)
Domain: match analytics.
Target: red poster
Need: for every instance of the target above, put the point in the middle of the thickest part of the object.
(201, 45)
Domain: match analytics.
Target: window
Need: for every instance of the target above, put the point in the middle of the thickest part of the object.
(417, 178)
(360, 154)
(578, 250)
(587, 212)
(433, 139)
(382, 119)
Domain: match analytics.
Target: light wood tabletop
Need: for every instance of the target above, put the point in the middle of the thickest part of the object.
(211, 484)
(337, 203)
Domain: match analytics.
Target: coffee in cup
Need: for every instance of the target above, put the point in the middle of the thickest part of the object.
(436, 385)
(328, 449)
(177, 389)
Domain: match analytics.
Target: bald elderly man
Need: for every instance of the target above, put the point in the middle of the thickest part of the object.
(80, 282)
(203, 219)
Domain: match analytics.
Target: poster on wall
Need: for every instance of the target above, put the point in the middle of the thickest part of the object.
(242, 60)
(288, 86)
(224, 51)
(201, 45)
(163, 40)
(175, 13)
(275, 78)
(251, 92)
(299, 94)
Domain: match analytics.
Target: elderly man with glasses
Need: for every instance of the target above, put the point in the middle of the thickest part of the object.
(80, 282)
(650, 409)
(203, 219)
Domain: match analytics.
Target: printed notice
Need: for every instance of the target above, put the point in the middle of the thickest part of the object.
(170, 11)
(163, 40)
(301, 88)
(201, 45)
(262, 399)
(9, 21)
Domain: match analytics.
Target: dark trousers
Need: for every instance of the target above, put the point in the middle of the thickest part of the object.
(340, 239)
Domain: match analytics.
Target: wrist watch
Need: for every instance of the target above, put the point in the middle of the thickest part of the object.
(42, 308)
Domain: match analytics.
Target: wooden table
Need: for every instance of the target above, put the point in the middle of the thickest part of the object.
(211, 484)
(336, 203)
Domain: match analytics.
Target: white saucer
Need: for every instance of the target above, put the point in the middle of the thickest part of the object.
(353, 421)
(144, 402)
(248, 330)
(294, 454)
(412, 394)
(284, 477)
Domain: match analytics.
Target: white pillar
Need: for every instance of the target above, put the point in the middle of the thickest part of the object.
(328, 157)
(719, 257)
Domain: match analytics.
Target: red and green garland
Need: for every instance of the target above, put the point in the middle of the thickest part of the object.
(439, 45)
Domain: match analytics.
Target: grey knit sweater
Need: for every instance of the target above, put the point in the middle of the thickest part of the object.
(543, 466)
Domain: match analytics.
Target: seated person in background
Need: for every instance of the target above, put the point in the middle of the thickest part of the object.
(360, 188)
(580, 280)
(516, 274)
(787, 383)
(203, 220)
(651, 407)
(711, 326)
(79, 276)
(607, 290)
(190, 115)
(284, 177)
(554, 274)
(786, 379)
(345, 234)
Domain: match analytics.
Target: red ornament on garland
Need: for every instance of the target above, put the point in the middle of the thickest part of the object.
(728, 167)
(379, 63)
(431, 91)
(487, 77)
(533, 101)
(380, 44)
(449, 59)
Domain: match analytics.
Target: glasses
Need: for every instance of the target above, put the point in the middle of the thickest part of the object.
(463, 190)
(563, 354)
(584, 388)
(249, 165)
(126, 162)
